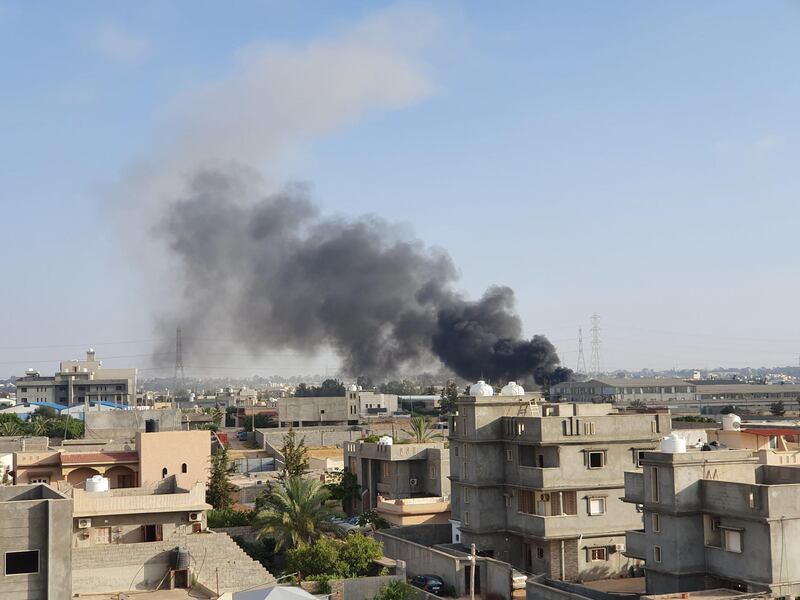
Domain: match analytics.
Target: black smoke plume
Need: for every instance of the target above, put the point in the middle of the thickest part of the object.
(274, 274)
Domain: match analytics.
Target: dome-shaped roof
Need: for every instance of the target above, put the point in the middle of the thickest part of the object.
(352, 387)
(512, 388)
(481, 389)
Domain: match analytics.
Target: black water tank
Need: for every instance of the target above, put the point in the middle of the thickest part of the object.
(151, 426)
(181, 558)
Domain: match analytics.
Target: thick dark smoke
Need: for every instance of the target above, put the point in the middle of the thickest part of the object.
(276, 275)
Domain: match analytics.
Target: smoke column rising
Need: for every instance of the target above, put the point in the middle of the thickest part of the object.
(276, 273)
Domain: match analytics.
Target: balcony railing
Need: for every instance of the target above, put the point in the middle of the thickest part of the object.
(634, 488)
(128, 501)
(636, 544)
(414, 506)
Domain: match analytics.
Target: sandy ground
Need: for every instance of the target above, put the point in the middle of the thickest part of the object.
(628, 585)
(159, 595)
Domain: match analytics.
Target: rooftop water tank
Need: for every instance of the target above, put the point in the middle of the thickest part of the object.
(481, 389)
(512, 388)
(386, 440)
(673, 444)
(731, 422)
(97, 483)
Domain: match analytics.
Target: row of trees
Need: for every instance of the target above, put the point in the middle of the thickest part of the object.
(329, 387)
(40, 424)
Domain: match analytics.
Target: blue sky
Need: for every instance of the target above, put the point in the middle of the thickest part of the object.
(634, 159)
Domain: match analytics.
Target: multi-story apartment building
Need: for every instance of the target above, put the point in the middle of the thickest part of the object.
(407, 484)
(82, 381)
(652, 391)
(539, 485)
(335, 410)
(716, 519)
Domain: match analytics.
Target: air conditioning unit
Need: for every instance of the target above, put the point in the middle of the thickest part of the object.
(545, 497)
(84, 523)
(619, 547)
(195, 517)
(413, 481)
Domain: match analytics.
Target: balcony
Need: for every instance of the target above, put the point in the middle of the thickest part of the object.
(636, 544)
(414, 511)
(540, 477)
(634, 488)
(392, 452)
(139, 500)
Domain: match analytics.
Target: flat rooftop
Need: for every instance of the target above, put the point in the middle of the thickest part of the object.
(715, 594)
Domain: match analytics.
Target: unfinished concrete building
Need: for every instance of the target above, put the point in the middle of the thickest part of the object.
(539, 485)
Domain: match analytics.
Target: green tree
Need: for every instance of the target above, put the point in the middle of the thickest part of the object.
(9, 428)
(217, 415)
(39, 426)
(396, 590)
(295, 456)
(220, 489)
(448, 398)
(777, 408)
(346, 490)
(296, 511)
(46, 412)
(420, 430)
(371, 518)
(318, 558)
(358, 552)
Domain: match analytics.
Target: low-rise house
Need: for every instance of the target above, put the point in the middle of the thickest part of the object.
(407, 484)
(34, 543)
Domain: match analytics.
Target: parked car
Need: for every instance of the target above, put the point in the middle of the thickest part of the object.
(430, 583)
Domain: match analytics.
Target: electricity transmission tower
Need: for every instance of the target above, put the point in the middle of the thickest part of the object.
(595, 358)
(581, 369)
(178, 362)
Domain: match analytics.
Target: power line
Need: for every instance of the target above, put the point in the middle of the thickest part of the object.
(178, 361)
(581, 369)
(595, 359)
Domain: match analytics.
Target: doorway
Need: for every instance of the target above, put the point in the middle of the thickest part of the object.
(151, 533)
(467, 572)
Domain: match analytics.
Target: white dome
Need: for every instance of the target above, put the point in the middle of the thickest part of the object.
(352, 387)
(512, 388)
(481, 389)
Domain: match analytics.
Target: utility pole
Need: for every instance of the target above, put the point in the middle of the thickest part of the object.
(595, 359)
(473, 559)
(581, 369)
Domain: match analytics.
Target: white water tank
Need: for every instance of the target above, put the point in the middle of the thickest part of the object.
(512, 388)
(673, 444)
(731, 422)
(386, 440)
(481, 389)
(97, 483)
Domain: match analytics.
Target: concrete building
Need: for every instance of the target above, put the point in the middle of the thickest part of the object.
(355, 405)
(154, 456)
(407, 484)
(35, 543)
(712, 396)
(716, 519)
(652, 391)
(79, 381)
(539, 485)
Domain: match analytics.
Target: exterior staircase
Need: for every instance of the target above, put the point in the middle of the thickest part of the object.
(216, 555)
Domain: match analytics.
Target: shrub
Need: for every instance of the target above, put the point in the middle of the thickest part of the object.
(229, 518)
(396, 590)
(323, 583)
(352, 557)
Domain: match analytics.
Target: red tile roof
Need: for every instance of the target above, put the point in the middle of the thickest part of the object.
(99, 457)
(766, 431)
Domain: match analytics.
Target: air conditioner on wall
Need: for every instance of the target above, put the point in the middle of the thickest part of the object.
(413, 481)
(84, 523)
(619, 547)
(194, 517)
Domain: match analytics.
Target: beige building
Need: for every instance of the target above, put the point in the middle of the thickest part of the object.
(406, 483)
(539, 485)
(81, 381)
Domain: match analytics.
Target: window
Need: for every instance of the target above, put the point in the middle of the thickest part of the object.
(520, 428)
(464, 473)
(597, 506)
(38, 480)
(597, 460)
(466, 517)
(466, 495)
(184, 468)
(509, 455)
(596, 554)
(638, 455)
(654, 484)
(773, 441)
(733, 541)
(657, 554)
(455, 451)
(385, 469)
(713, 535)
(507, 498)
(539, 552)
(433, 472)
(163, 472)
(655, 520)
(22, 563)
(589, 428)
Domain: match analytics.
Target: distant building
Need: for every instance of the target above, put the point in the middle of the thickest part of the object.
(712, 396)
(652, 391)
(716, 519)
(407, 484)
(34, 543)
(335, 410)
(539, 485)
(79, 381)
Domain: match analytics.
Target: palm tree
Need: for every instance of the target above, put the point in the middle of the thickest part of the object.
(295, 512)
(39, 426)
(420, 430)
(10, 428)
